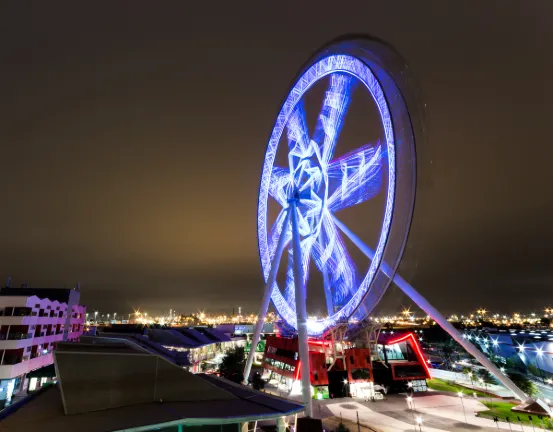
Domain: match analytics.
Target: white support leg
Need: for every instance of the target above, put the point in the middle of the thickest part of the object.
(435, 315)
(266, 297)
(301, 311)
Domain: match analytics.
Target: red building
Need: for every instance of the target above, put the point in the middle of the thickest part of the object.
(398, 361)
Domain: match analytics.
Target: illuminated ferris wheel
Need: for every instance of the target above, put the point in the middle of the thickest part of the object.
(311, 180)
(316, 185)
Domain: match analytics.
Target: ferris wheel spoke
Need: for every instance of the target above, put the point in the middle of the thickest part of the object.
(278, 186)
(297, 132)
(331, 256)
(357, 177)
(331, 117)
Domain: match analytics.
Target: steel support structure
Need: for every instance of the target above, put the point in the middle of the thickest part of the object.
(435, 315)
(266, 296)
(301, 311)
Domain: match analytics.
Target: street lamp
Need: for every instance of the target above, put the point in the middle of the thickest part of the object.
(460, 394)
(95, 316)
(411, 407)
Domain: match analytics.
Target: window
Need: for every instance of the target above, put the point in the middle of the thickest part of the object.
(351, 360)
(21, 311)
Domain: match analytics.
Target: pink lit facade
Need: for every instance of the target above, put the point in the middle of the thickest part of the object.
(30, 327)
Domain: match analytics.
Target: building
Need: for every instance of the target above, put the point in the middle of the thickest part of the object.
(523, 348)
(242, 333)
(399, 363)
(32, 322)
(197, 348)
(342, 368)
(99, 390)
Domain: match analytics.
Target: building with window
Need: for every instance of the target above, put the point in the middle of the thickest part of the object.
(198, 348)
(108, 384)
(32, 321)
(395, 364)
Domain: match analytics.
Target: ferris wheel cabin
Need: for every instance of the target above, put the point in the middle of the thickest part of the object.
(341, 369)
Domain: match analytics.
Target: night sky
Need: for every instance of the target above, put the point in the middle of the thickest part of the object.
(133, 133)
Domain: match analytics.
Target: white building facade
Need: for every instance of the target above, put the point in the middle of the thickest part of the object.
(32, 321)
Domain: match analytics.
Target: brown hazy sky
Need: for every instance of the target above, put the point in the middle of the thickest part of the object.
(132, 137)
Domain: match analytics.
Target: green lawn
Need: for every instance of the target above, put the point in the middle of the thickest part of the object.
(448, 386)
(502, 410)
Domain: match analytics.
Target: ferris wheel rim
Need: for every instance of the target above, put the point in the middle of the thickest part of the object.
(354, 66)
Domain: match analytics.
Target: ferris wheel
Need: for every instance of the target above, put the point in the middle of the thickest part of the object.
(315, 180)
(316, 185)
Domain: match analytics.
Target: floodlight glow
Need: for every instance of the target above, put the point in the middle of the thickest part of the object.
(539, 351)
(325, 185)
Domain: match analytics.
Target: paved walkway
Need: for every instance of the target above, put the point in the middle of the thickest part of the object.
(438, 413)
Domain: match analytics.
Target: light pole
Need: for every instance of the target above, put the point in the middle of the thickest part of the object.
(114, 315)
(95, 317)
(411, 406)
(460, 394)
(419, 422)
(469, 373)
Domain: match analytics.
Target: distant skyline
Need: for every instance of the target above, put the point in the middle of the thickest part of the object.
(133, 140)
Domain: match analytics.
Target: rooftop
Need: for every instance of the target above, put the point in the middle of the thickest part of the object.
(59, 294)
(98, 390)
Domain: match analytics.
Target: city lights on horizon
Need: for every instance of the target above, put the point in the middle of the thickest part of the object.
(405, 318)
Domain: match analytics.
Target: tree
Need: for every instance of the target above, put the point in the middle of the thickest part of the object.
(534, 370)
(523, 383)
(257, 382)
(449, 351)
(233, 364)
(342, 428)
(516, 364)
(486, 376)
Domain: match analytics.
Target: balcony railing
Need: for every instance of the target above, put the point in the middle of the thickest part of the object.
(18, 336)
